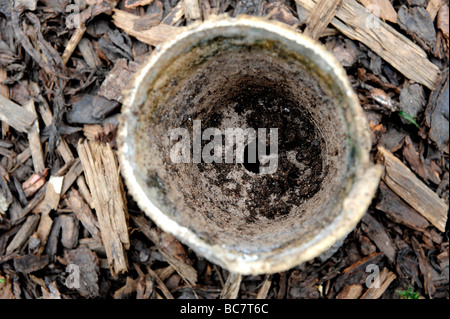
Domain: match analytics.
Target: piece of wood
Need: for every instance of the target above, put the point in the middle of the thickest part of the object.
(84, 191)
(34, 139)
(160, 283)
(399, 211)
(84, 266)
(412, 190)
(381, 8)
(174, 16)
(50, 202)
(376, 232)
(88, 53)
(171, 249)
(152, 36)
(83, 213)
(424, 267)
(264, 290)
(433, 7)
(102, 176)
(23, 234)
(320, 17)
(16, 116)
(30, 263)
(354, 21)
(117, 79)
(350, 292)
(132, 4)
(73, 43)
(192, 10)
(4, 91)
(384, 279)
(232, 285)
(47, 116)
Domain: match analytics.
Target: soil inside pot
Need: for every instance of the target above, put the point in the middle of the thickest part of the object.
(233, 203)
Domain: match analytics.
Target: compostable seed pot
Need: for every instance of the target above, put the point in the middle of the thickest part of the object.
(248, 73)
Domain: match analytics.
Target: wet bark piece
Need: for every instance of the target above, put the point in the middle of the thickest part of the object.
(417, 162)
(399, 211)
(416, 21)
(88, 270)
(377, 233)
(102, 176)
(354, 21)
(152, 17)
(437, 114)
(413, 191)
(320, 17)
(30, 263)
(424, 267)
(412, 99)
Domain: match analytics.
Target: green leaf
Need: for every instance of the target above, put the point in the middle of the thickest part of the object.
(408, 294)
(409, 118)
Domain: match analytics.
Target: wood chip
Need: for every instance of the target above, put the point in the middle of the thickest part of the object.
(408, 58)
(87, 269)
(232, 286)
(399, 211)
(433, 7)
(384, 279)
(47, 116)
(83, 213)
(377, 233)
(73, 43)
(350, 292)
(152, 36)
(15, 115)
(264, 290)
(131, 4)
(424, 267)
(320, 17)
(30, 263)
(413, 191)
(102, 176)
(174, 16)
(170, 248)
(88, 53)
(23, 235)
(117, 79)
(192, 9)
(50, 202)
(160, 284)
(69, 227)
(35, 140)
(381, 8)
(84, 191)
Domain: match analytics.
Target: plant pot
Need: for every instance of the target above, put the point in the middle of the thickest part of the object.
(247, 72)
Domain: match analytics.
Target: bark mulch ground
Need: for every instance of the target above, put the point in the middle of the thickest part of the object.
(63, 64)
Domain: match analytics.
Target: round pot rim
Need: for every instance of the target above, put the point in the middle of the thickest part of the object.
(354, 206)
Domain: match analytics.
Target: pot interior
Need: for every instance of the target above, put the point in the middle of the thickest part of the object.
(240, 78)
